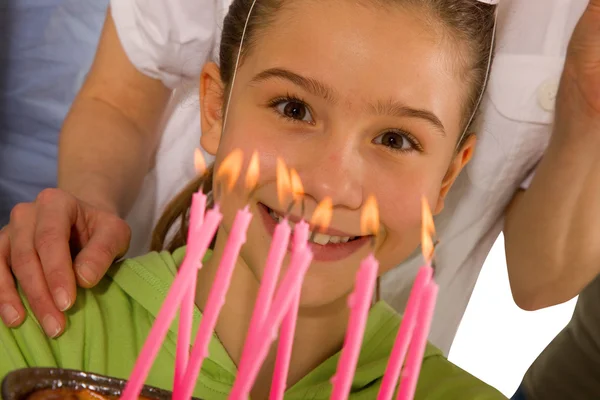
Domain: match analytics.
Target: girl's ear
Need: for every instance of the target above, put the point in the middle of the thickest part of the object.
(211, 107)
(461, 159)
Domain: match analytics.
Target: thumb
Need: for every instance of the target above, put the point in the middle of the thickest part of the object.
(109, 241)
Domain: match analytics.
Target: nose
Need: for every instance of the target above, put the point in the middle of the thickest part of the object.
(334, 171)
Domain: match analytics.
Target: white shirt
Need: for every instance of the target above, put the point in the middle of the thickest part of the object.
(171, 41)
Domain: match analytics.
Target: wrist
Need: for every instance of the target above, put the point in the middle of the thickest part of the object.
(93, 196)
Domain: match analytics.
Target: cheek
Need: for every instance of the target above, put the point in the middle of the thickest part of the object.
(400, 211)
(254, 128)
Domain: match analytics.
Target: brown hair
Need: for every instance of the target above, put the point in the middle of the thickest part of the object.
(469, 24)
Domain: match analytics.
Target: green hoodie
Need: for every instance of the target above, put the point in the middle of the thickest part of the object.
(108, 325)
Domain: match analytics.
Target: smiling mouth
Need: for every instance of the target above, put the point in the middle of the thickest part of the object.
(316, 237)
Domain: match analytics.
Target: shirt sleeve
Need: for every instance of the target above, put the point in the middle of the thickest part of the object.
(168, 40)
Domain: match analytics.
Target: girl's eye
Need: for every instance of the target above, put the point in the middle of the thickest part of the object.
(398, 141)
(294, 109)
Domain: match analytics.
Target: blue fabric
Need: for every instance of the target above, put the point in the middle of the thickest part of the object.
(519, 394)
(46, 49)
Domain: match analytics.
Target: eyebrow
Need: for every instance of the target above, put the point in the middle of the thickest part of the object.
(396, 109)
(312, 86)
(390, 108)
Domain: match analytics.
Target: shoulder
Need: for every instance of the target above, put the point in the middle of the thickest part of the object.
(168, 40)
(440, 379)
(105, 326)
(146, 279)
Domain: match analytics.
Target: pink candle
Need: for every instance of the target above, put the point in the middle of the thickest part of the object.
(215, 302)
(277, 252)
(405, 333)
(188, 269)
(186, 312)
(360, 303)
(410, 375)
(284, 351)
(290, 285)
(288, 327)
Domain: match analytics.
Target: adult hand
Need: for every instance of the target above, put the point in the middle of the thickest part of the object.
(39, 244)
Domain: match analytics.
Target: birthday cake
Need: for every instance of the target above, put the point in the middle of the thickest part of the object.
(71, 394)
(64, 384)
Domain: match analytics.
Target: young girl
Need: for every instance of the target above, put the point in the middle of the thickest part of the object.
(311, 87)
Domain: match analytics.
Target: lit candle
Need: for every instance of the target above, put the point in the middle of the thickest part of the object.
(412, 369)
(186, 312)
(196, 249)
(360, 303)
(288, 327)
(277, 252)
(215, 302)
(219, 289)
(188, 269)
(265, 334)
(413, 307)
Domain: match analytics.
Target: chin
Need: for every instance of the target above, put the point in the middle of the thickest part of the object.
(322, 291)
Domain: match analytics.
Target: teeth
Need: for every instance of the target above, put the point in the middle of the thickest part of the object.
(322, 239)
(276, 217)
(318, 238)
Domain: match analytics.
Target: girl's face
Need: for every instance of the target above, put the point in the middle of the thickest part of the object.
(360, 100)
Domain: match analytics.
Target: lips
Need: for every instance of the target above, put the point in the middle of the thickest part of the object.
(327, 245)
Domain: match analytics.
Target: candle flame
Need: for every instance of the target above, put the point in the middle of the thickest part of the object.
(253, 172)
(427, 231)
(323, 213)
(199, 162)
(297, 187)
(284, 184)
(369, 220)
(230, 168)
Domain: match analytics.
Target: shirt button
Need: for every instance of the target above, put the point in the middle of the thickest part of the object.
(547, 94)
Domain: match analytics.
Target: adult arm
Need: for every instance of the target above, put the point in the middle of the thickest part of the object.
(111, 133)
(552, 230)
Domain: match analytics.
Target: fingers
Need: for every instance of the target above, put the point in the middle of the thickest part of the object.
(109, 241)
(55, 215)
(28, 270)
(12, 311)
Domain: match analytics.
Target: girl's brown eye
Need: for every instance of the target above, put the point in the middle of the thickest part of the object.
(294, 110)
(397, 141)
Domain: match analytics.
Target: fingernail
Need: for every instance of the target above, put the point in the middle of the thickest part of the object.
(9, 314)
(87, 274)
(51, 326)
(62, 300)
